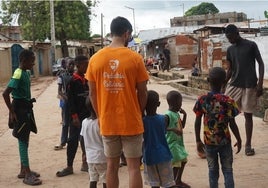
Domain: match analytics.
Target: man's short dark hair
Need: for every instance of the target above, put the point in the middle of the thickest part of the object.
(231, 29)
(119, 26)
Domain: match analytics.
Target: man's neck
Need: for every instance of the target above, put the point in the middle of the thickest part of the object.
(117, 42)
(239, 39)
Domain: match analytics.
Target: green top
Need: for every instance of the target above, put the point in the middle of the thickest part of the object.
(20, 82)
(175, 142)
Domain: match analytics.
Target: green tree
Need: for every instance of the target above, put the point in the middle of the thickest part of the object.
(72, 19)
(96, 36)
(202, 8)
(266, 14)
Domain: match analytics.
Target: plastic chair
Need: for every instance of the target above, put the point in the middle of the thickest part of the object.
(156, 66)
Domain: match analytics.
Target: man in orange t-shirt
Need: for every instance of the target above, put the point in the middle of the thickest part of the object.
(117, 80)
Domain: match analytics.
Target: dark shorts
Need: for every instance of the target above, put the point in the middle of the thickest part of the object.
(26, 120)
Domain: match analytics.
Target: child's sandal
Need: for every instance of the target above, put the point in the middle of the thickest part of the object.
(32, 180)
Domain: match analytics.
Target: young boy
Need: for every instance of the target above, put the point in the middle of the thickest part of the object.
(63, 81)
(219, 111)
(90, 134)
(21, 117)
(77, 94)
(174, 136)
(156, 153)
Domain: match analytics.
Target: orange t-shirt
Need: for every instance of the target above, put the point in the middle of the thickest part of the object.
(116, 72)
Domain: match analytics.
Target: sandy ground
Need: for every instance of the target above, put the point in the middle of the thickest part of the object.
(248, 171)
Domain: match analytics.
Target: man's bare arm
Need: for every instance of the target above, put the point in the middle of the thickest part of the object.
(93, 96)
(142, 95)
(228, 75)
(261, 75)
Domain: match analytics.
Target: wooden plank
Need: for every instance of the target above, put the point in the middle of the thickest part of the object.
(174, 81)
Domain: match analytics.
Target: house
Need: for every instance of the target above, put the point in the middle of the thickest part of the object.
(213, 44)
(209, 19)
(181, 41)
(9, 60)
(207, 42)
(12, 32)
(9, 52)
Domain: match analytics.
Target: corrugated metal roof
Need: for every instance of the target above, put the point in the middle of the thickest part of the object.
(158, 33)
(153, 34)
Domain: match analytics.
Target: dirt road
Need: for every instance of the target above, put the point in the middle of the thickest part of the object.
(248, 171)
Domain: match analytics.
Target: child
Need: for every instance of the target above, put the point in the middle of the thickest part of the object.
(195, 70)
(21, 117)
(161, 61)
(63, 81)
(156, 154)
(90, 134)
(219, 111)
(174, 136)
(77, 94)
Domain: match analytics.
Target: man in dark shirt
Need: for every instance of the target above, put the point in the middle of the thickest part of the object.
(166, 53)
(244, 86)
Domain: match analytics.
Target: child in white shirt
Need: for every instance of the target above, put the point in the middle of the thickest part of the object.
(96, 159)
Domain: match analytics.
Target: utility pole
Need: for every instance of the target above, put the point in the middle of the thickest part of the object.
(102, 30)
(183, 16)
(52, 27)
(133, 12)
(33, 24)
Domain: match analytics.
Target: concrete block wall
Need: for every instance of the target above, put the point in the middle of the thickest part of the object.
(262, 104)
(170, 76)
(198, 85)
(199, 82)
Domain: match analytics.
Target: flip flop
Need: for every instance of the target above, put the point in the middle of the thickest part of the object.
(36, 174)
(64, 172)
(59, 147)
(249, 151)
(32, 180)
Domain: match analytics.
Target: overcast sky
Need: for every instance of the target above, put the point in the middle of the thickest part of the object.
(157, 14)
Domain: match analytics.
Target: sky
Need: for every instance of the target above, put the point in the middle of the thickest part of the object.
(157, 14)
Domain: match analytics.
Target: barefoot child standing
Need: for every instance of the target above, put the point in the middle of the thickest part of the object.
(174, 136)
